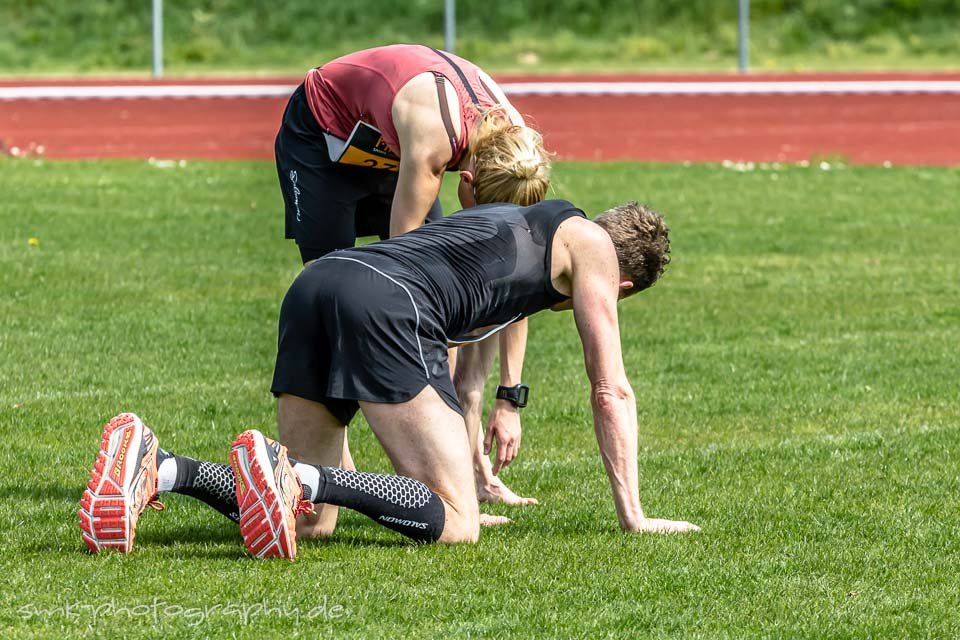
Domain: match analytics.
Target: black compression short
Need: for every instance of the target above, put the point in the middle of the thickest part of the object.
(349, 331)
(328, 205)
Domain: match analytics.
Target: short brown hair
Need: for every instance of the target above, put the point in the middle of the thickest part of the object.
(642, 241)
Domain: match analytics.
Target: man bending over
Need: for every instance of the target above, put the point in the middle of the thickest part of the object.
(367, 328)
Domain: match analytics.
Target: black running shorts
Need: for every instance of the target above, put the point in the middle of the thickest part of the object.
(328, 205)
(351, 330)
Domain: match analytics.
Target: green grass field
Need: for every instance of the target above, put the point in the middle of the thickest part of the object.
(796, 373)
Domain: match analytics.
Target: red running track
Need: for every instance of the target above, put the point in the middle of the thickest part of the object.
(877, 128)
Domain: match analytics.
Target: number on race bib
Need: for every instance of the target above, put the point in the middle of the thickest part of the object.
(366, 148)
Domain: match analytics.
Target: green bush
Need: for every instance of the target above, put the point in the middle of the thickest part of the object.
(293, 35)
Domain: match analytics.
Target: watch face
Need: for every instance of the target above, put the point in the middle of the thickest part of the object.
(523, 392)
(517, 395)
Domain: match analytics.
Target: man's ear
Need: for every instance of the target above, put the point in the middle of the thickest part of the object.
(626, 285)
(467, 176)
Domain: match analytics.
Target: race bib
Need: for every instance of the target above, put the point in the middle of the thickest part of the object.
(364, 148)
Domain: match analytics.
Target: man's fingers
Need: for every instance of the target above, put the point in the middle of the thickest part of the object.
(487, 441)
(511, 453)
(514, 500)
(657, 525)
(682, 527)
(506, 452)
(501, 456)
(488, 520)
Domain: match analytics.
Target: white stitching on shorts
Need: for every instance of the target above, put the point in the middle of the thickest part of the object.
(416, 311)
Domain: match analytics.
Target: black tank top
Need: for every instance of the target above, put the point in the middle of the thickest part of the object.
(489, 265)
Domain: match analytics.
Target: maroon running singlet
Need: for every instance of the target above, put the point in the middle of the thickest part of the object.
(361, 86)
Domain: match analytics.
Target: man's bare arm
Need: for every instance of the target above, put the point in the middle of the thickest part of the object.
(424, 153)
(595, 285)
(473, 365)
(595, 291)
(503, 424)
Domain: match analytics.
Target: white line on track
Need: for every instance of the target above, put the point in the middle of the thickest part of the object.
(750, 87)
(147, 91)
(732, 88)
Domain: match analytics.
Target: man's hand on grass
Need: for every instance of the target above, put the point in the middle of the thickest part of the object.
(503, 426)
(489, 520)
(494, 490)
(659, 525)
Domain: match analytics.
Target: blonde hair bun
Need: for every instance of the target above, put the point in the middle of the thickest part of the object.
(511, 164)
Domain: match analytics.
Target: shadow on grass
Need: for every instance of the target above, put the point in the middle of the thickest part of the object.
(357, 535)
(220, 531)
(222, 541)
(219, 538)
(42, 492)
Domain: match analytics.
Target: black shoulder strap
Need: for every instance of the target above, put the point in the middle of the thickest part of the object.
(463, 78)
(445, 113)
(489, 91)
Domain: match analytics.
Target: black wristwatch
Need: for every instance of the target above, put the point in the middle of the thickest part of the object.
(517, 395)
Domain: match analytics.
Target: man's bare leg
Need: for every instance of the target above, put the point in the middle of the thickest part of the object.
(452, 357)
(347, 457)
(432, 499)
(313, 435)
(426, 440)
(474, 363)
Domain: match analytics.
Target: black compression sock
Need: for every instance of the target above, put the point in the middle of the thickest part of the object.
(209, 482)
(403, 504)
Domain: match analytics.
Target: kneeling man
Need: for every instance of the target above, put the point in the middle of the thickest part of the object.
(368, 328)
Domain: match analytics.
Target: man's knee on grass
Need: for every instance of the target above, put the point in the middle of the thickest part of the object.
(462, 525)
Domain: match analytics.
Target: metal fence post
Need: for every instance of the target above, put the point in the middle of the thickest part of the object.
(450, 25)
(157, 38)
(743, 34)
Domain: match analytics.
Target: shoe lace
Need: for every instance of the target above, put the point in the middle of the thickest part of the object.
(156, 505)
(303, 506)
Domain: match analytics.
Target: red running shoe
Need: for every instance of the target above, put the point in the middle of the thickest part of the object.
(122, 484)
(269, 495)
